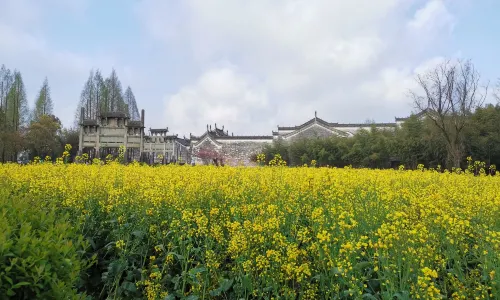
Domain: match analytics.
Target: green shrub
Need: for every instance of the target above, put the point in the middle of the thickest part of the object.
(40, 252)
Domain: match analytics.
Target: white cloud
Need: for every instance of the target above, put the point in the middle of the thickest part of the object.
(24, 47)
(434, 15)
(349, 60)
(392, 85)
(222, 94)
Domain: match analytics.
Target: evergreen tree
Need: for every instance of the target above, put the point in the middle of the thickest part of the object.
(100, 96)
(6, 80)
(43, 102)
(115, 93)
(87, 100)
(5, 85)
(17, 112)
(93, 98)
(131, 104)
(14, 113)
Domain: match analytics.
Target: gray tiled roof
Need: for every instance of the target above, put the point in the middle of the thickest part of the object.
(134, 124)
(158, 130)
(90, 122)
(328, 124)
(114, 114)
(246, 137)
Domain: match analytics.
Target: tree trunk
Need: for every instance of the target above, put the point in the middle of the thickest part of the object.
(454, 155)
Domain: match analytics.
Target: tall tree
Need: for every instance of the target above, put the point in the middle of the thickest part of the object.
(115, 93)
(14, 113)
(131, 104)
(43, 102)
(484, 135)
(450, 94)
(93, 98)
(6, 80)
(101, 93)
(100, 96)
(87, 100)
(17, 112)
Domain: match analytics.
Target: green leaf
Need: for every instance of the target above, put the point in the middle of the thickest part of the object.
(138, 234)
(92, 243)
(226, 284)
(130, 275)
(193, 272)
(402, 295)
(20, 284)
(179, 257)
(362, 265)
(129, 286)
(246, 281)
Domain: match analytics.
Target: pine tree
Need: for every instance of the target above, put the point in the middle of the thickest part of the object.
(115, 93)
(43, 103)
(14, 114)
(6, 80)
(17, 112)
(87, 100)
(129, 98)
(5, 85)
(100, 96)
(92, 98)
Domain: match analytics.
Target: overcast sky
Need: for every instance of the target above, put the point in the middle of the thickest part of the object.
(250, 65)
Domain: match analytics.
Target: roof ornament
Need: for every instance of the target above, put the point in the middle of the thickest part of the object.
(315, 115)
(207, 127)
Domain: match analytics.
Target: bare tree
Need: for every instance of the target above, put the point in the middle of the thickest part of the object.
(451, 93)
(496, 94)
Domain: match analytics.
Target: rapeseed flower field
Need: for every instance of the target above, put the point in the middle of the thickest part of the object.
(203, 232)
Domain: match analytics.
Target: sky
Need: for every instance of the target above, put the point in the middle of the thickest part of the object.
(248, 65)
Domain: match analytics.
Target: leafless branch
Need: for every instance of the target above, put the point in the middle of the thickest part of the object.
(449, 94)
(496, 94)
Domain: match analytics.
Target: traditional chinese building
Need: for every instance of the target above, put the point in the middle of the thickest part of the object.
(238, 149)
(112, 130)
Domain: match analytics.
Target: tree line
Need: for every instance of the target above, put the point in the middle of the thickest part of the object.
(101, 95)
(416, 141)
(453, 123)
(28, 132)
